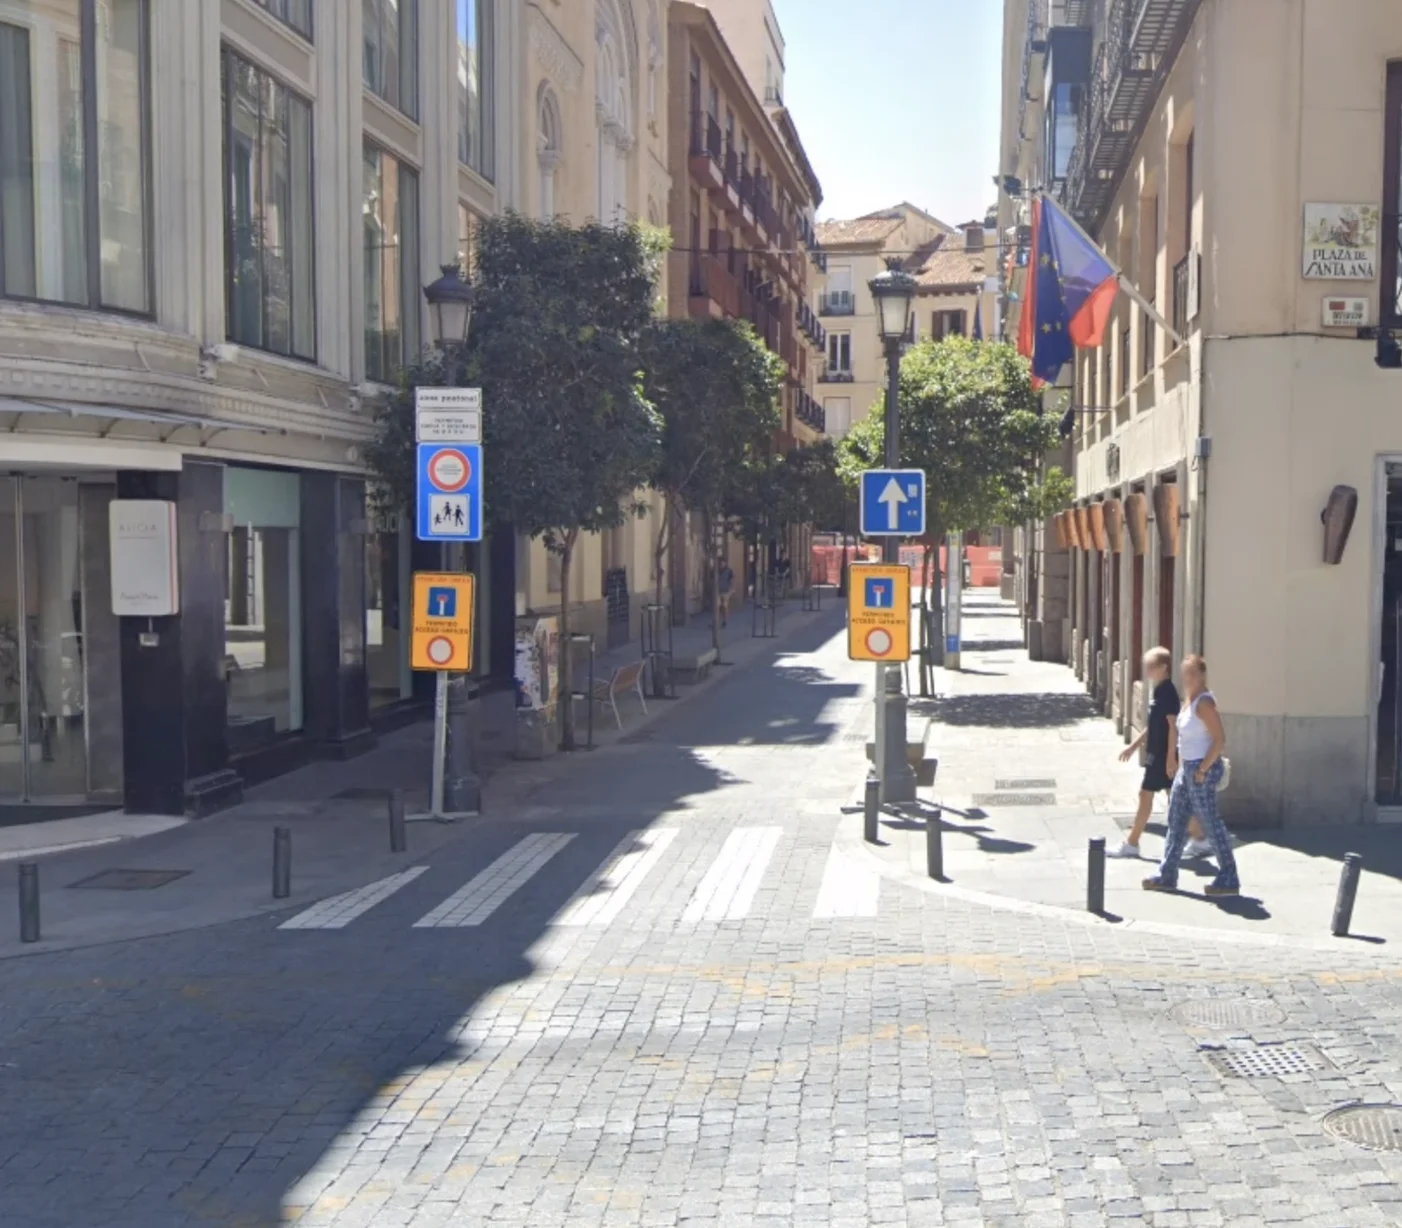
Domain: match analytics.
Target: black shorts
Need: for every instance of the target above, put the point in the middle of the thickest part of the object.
(1155, 779)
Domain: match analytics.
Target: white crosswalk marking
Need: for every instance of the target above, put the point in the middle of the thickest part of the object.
(340, 910)
(474, 903)
(848, 889)
(729, 887)
(602, 899)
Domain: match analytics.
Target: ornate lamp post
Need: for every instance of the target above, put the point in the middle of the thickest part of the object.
(893, 292)
(450, 302)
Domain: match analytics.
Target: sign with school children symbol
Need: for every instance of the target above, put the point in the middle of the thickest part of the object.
(893, 503)
(450, 492)
(442, 627)
(878, 612)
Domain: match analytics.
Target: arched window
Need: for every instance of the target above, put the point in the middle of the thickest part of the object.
(613, 86)
(547, 148)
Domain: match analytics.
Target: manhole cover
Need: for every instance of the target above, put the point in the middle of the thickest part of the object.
(1031, 783)
(1228, 1013)
(1014, 799)
(1378, 1127)
(130, 880)
(1265, 1061)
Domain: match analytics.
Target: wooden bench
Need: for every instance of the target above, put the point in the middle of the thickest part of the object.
(625, 679)
(696, 667)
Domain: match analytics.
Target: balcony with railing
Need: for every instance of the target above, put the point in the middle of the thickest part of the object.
(1138, 43)
(707, 151)
(836, 303)
(835, 375)
(811, 412)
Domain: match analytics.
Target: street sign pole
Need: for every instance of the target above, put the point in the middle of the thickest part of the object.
(440, 743)
(956, 599)
(897, 776)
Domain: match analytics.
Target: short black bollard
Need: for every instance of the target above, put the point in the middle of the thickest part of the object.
(398, 831)
(871, 811)
(1348, 892)
(28, 901)
(282, 862)
(1095, 876)
(934, 846)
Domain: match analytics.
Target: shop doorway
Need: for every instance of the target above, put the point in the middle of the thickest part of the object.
(45, 653)
(1389, 769)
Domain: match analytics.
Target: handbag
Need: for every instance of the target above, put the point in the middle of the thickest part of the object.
(1226, 773)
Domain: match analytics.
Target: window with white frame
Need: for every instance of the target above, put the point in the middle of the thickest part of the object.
(840, 353)
(75, 142)
(390, 213)
(475, 86)
(391, 41)
(295, 13)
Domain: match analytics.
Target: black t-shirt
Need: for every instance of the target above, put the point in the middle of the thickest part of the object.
(1163, 707)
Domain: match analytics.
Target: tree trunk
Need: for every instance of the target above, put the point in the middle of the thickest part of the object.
(659, 560)
(566, 645)
(654, 620)
(713, 555)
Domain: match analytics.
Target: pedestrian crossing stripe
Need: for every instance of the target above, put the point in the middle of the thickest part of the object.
(487, 891)
(725, 892)
(603, 898)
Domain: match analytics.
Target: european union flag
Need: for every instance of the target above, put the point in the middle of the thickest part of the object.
(1071, 289)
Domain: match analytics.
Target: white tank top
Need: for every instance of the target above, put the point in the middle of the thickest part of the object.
(1194, 738)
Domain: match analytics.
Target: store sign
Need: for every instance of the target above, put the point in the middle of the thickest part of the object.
(1341, 242)
(1345, 313)
(145, 567)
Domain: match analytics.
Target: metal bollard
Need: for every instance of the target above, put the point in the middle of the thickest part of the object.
(934, 846)
(282, 862)
(1348, 892)
(871, 811)
(1095, 876)
(28, 901)
(398, 830)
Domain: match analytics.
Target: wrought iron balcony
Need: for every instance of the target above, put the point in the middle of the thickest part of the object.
(812, 412)
(1139, 40)
(1180, 296)
(831, 376)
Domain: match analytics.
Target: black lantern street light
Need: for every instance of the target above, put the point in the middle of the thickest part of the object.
(893, 292)
(450, 302)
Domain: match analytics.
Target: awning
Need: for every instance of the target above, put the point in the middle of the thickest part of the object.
(114, 415)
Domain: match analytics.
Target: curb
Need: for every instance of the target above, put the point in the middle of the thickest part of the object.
(852, 843)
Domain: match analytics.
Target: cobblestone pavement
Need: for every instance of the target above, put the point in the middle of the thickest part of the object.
(717, 1022)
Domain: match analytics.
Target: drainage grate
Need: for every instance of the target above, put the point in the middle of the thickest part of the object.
(1014, 799)
(130, 880)
(1032, 783)
(1228, 1013)
(1265, 1061)
(1378, 1127)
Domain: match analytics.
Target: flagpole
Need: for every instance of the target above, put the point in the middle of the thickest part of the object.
(1125, 284)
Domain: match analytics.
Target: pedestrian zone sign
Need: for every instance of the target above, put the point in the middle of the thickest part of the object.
(450, 492)
(442, 626)
(878, 612)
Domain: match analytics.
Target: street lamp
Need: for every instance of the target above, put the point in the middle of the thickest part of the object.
(893, 292)
(450, 302)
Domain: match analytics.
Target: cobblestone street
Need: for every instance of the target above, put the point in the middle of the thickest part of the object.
(668, 992)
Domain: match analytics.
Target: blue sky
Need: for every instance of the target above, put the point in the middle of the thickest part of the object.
(850, 65)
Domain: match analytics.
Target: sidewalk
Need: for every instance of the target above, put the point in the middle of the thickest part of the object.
(194, 874)
(1028, 773)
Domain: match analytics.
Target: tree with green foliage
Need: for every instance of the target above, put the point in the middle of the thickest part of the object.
(971, 421)
(715, 387)
(568, 435)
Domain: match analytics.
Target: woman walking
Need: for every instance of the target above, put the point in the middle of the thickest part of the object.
(1201, 741)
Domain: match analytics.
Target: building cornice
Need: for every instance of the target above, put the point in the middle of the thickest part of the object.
(556, 56)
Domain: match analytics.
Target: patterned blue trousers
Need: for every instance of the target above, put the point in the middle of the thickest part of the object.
(1189, 798)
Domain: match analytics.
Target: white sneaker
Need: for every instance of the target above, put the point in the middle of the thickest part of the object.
(1126, 851)
(1198, 848)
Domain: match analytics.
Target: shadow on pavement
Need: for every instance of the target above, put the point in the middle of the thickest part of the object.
(973, 645)
(1035, 710)
(227, 1077)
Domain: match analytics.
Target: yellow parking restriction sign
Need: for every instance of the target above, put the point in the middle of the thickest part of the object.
(442, 630)
(878, 612)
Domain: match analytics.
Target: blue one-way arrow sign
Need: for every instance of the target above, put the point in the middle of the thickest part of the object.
(893, 503)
